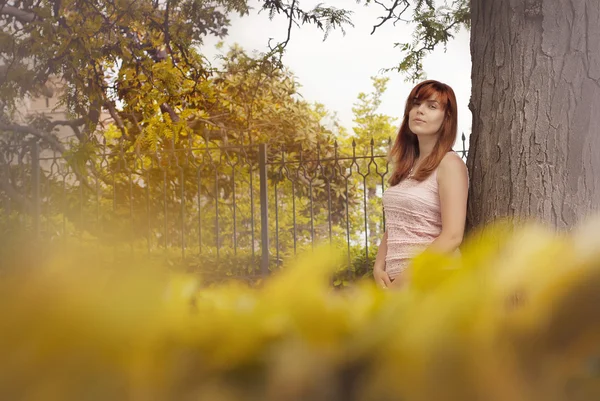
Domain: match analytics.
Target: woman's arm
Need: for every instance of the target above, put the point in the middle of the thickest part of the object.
(379, 274)
(453, 187)
(381, 253)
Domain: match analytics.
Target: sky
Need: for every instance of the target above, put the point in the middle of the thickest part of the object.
(333, 72)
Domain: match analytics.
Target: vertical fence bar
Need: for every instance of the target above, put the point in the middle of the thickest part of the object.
(234, 207)
(179, 165)
(182, 195)
(131, 218)
(35, 188)
(277, 222)
(264, 210)
(252, 228)
(217, 243)
(199, 202)
(166, 209)
(63, 200)
(295, 230)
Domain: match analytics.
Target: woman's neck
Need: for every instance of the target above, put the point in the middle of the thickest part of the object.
(426, 145)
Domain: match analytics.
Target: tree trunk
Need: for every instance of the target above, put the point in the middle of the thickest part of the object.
(535, 146)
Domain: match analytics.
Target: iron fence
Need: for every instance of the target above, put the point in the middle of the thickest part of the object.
(252, 205)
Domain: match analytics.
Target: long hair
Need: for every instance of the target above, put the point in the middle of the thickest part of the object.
(405, 150)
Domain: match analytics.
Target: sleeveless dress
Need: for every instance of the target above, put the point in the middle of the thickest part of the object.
(413, 220)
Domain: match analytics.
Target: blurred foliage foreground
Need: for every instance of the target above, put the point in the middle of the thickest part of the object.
(516, 318)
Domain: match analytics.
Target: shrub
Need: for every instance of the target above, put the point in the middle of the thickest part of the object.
(516, 318)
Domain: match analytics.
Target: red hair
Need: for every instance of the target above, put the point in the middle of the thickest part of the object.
(405, 150)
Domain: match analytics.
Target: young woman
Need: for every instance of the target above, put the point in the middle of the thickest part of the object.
(425, 205)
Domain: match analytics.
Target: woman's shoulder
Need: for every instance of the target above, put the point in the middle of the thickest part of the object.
(452, 160)
(452, 165)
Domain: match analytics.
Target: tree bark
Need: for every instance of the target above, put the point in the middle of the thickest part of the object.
(535, 146)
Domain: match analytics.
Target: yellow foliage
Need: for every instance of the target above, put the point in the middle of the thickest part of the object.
(515, 318)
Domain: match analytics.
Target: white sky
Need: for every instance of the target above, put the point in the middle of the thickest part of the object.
(335, 71)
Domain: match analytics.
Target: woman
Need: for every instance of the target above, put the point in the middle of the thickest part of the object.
(425, 205)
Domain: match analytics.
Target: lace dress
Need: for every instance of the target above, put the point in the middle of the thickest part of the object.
(413, 220)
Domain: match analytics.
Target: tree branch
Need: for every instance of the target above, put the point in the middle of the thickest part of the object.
(166, 109)
(8, 188)
(290, 15)
(117, 118)
(325, 18)
(391, 13)
(20, 15)
(91, 120)
(136, 122)
(433, 27)
(24, 129)
(70, 123)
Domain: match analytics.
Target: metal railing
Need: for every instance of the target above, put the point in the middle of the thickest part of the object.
(211, 202)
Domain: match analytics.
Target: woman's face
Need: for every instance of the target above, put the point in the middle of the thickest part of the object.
(426, 116)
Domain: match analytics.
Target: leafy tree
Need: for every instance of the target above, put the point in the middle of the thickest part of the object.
(136, 60)
(152, 174)
(434, 24)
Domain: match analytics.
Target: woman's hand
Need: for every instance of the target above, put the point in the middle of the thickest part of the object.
(400, 281)
(381, 277)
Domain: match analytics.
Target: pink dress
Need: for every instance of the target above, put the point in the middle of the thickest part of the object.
(413, 220)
